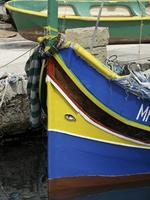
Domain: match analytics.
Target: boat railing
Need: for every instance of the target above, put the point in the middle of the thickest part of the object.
(110, 8)
(88, 8)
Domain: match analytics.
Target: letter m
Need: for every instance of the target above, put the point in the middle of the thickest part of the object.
(142, 113)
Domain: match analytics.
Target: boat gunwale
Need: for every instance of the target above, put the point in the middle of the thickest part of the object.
(83, 18)
(108, 74)
(65, 92)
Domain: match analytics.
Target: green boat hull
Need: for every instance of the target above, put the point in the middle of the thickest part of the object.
(30, 22)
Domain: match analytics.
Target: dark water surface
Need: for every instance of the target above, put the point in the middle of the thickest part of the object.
(134, 193)
(23, 169)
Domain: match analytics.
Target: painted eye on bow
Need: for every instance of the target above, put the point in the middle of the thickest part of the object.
(70, 117)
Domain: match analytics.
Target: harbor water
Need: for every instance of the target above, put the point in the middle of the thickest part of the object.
(23, 169)
(134, 193)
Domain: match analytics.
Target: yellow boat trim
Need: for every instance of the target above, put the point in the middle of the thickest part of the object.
(49, 29)
(106, 19)
(102, 69)
(98, 65)
(20, 10)
(80, 18)
(58, 106)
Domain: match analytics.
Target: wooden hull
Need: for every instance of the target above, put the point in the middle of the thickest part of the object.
(30, 23)
(83, 157)
(69, 188)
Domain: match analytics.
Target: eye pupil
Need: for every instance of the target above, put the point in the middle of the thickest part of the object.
(70, 117)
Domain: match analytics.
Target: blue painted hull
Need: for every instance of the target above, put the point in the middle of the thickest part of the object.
(71, 156)
(106, 91)
(77, 163)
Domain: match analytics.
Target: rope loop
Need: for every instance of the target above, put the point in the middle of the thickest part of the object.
(50, 45)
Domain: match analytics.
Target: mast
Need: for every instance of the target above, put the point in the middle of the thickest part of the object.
(52, 19)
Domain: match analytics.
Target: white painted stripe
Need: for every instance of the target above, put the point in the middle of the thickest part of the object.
(99, 140)
(144, 173)
(94, 123)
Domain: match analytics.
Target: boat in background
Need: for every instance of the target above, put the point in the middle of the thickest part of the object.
(126, 20)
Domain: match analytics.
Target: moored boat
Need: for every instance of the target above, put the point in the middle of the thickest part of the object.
(98, 124)
(90, 148)
(126, 20)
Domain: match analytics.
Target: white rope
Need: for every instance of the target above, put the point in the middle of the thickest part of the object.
(140, 38)
(97, 24)
(142, 8)
(64, 19)
(29, 50)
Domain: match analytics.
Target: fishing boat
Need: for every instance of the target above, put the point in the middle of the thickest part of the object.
(92, 145)
(98, 133)
(98, 124)
(126, 20)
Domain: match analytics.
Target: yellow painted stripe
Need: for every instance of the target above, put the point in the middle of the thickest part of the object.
(58, 107)
(104, 70)
(97, 64)
(21, 10)
(106, 19)
(79, 18)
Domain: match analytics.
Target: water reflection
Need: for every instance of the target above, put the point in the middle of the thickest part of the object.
(138, 193)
